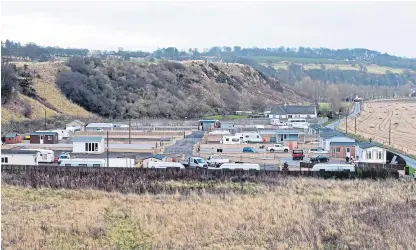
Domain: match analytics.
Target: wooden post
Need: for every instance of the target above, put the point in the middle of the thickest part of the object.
(389, 131)
(129, 130)
(346, 125)
(355, 125)
(45, 119)
(108, 149)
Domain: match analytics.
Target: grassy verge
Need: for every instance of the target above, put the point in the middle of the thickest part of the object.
(327, 122)
(296, 213)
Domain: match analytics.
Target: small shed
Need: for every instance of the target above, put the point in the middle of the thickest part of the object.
(76, 124)
(343, 149)
(207, 125)
(99, 126)
(226, 125)
(12, 138)
(44, 137)
(88, 145)
(153, 158)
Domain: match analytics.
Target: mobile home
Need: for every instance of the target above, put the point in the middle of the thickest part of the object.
(250, 137)
(44, 137)
(19, 157)
(82, 163)
(232, 139)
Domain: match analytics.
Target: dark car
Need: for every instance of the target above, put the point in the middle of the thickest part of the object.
(249, 150)
(297, 154)
(319, 158)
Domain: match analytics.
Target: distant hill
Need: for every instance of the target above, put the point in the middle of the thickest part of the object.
(118, 89)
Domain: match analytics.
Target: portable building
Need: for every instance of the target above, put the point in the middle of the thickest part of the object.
(207, 125)
(88, 144)
(12, 138)
(44, 137)
(343, 149)
(19, 157)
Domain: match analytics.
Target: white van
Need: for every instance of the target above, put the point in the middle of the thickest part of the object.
(244, 166)
(333, 167)
(45, 155)
(82, 163)
(165, 165)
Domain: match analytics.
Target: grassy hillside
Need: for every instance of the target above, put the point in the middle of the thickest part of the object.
(292, 213)
(48, 97)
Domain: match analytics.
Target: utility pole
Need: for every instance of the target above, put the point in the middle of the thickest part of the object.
(108, 149)
(45, 119)
(129, 130)
(346, 125)
(389, 131)
(355, 125)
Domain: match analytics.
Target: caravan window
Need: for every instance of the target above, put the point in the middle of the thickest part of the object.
(258, 136)
(379, 155)
(82, 165)
(95, 165)
(235, 140)
(49, 137)
(227, 139)
(67, 165)
(4, 160)
(247, 136)
(369, 155)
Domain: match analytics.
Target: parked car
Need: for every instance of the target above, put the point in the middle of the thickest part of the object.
(63, 156)
(317, 151)
(320, 158)
(297, 154)
(249, 150)
(277, 148)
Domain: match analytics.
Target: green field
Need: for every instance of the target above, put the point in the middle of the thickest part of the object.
(224, 117)
(311, 63)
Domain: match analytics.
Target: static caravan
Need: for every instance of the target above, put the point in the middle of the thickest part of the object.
(298, 123)
(333, 167)
(243, 166)
(45, 155)
(45, 137)
(82, 163)
(232, 139)
(165, 165)
(250, 137)
(19, 157)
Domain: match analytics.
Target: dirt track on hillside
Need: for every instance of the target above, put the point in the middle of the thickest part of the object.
(374, 122)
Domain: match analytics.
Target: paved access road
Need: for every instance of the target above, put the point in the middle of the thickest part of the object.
(186, 145)
(111, 145)
(357, 108)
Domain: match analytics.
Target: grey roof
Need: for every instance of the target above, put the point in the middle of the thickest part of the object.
(44, 133)
(343, 143)
(18, 152)
(328, 135)
(88, 139)
(292, 109)
(156, 156)
(365, 145)
(277, 110)
(11, 135)
(100, 125)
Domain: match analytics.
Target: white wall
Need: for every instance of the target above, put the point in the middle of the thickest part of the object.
(20, 159)
(79, 147)
(374, 151)
(303, 116)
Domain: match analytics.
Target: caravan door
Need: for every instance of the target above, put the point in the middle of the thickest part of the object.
(41, 139)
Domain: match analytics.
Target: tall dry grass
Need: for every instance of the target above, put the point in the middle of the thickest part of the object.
(295, 214)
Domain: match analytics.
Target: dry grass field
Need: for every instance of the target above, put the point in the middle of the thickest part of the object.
(294, 213)
(374, 122)
(372, 68)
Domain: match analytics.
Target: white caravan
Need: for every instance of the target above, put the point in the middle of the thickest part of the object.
(333, 167)
(250, 137)
(45, 155)
(231, 139)
(243, 166)
(155, 164)
(298, 123)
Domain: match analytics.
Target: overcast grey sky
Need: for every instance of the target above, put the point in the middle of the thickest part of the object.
(383, 26)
